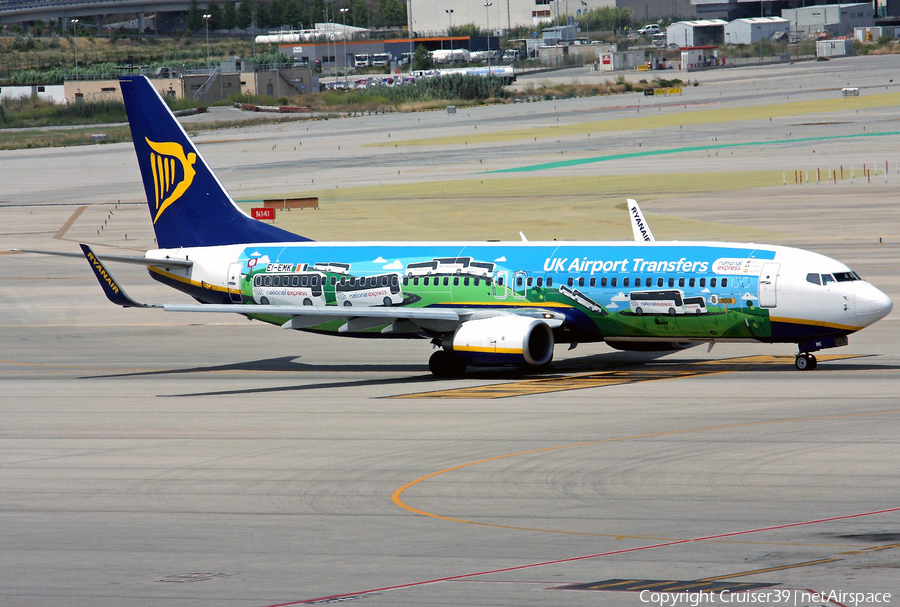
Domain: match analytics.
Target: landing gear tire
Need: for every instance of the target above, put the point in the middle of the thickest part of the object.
(445, 364)
(805, 362)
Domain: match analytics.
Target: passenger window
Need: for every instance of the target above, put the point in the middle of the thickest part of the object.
(637, 282)
(456, 281)
(593, 282)
(466, 281)
(540, 281)
(581, 281)
(570, 282)
(518, 281)
(384, 281)
(406, 281)
(394, 281)
(724, 282)
(549, 281)
(446, 281)
(681, 282)
(712, 283)
(613, 282)
(416, 281)
(603, 281)
(702, 282)
(530, 281)
(478, 281)
(500, 282)
(671, 282)
(267, 281)
(304, 281)
(691, 282)
(426, 281)
(827, 279)
(659, 281)
(625, 282)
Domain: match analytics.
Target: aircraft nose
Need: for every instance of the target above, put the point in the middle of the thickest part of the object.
(871, 304)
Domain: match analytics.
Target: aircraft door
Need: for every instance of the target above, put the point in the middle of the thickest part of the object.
(501, 278)
(234, 282)
(520, 280)
(768, 281)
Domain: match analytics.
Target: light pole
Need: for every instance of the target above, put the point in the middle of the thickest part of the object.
(206, 19)
(449, 12)
(344, 34)
(587, 20)
(75, 44)
(487, 21)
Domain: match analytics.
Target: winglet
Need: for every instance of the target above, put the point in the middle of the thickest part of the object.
(112, 290)
(639, 225)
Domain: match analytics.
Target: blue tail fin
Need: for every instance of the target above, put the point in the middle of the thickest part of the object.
(188, 205)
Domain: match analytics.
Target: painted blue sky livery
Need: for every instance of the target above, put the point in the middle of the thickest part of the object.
(497, 303)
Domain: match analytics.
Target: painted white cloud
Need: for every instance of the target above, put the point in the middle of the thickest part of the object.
(395, 265)
(612, 306)
(500, 259)
(379, 260)
(749, 296)
(254, 254)
(621, 297)
(705, 291)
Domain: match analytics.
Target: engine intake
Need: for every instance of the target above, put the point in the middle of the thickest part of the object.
(502, 340)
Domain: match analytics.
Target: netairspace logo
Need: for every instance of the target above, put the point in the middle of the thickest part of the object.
(786, 596)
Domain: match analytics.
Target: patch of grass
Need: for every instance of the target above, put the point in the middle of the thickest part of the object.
(647, 122)
(397, 209)
(53, 138)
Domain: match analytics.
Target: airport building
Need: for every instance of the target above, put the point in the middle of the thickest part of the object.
(751, 30)
(835, 19)
(505, 15)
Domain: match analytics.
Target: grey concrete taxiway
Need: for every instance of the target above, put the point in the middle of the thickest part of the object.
(151, 459)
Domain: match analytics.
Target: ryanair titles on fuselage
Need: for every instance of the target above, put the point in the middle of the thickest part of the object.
(625, 266)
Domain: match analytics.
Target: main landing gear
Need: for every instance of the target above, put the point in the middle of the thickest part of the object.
(445, 364)
(805, 361)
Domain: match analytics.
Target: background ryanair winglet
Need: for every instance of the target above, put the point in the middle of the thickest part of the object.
(188, 204)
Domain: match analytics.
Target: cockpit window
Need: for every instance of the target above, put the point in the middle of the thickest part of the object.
(813, 278)
(845, 276)
(827, 279)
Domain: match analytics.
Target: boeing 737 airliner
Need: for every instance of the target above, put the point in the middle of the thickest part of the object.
(496, 303)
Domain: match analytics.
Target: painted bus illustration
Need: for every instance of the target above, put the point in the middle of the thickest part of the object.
(295, 288)
(582, 299)
(333, 267)
(669, 302)
(422, 268)
(482, 269)
(695, 305)
(381, 290)
(450, 265)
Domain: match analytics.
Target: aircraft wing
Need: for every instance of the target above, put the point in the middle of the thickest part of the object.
(400, 319)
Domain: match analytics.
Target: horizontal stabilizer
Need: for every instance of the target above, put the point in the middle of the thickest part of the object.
(132, 259)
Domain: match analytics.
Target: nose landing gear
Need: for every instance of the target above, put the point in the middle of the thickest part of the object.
(805, 361)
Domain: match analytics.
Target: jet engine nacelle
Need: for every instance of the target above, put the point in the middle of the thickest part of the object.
(502, 340)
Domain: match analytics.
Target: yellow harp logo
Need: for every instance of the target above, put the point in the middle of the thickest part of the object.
(173, 173)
